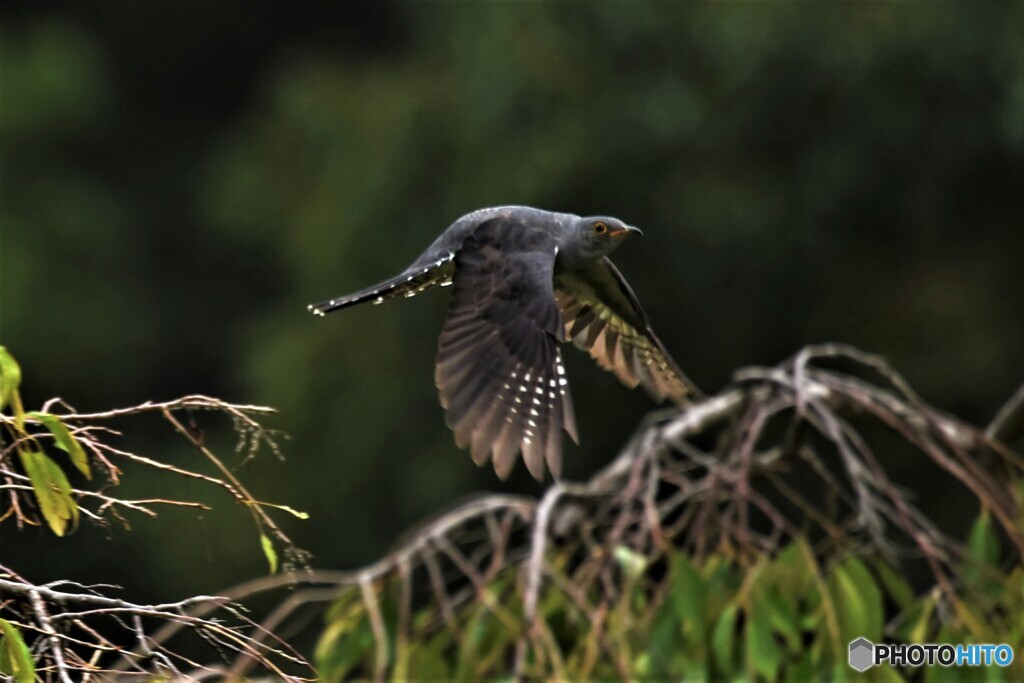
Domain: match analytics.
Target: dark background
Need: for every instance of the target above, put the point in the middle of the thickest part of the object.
(178, 180)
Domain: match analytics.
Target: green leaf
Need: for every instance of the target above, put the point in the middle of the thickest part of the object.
(427, 659)
(10, 377)
(858, 601)
(895, 585)
(268, 550)
(721, 581)
(52, 490)
(784, 618)
(342, 646)
(666, 644)
(922, 626)
(483, 634)
(15, 658)
(982, 543)
(803, 668)
(887, 674)
(980, 565)
(792, 570)
(65, 441)
(764, 656)
(688, 594)
(723, 641)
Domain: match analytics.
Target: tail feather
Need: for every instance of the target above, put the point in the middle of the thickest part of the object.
(410, 283)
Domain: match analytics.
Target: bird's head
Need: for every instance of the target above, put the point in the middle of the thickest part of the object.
(595, 236)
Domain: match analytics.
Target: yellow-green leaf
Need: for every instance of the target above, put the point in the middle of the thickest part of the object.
(688, 592)
(15, 658)
(632, 562)
(909, 621)
(10, 377)
(723, 640)
(783, 617)
(858, 601)
(982, 552)
(764, 656)
(292, 511)
(268, 550)
(896, 587)
(52, 490)
(65, 441)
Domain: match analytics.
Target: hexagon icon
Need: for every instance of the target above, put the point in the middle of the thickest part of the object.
(862, 654)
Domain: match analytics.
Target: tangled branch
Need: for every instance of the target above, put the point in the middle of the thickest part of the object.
(717, 477)
(90, 430)
(708, 478)
(77, 629)
(77, 632)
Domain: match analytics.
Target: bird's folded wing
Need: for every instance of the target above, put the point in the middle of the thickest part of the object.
(499, 369)
(603, 317)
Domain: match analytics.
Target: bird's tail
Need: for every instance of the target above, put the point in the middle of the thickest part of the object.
(414, 280)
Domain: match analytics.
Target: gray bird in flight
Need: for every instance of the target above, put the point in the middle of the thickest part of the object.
(524, 281)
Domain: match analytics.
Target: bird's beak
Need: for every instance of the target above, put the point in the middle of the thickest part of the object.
(626, 229)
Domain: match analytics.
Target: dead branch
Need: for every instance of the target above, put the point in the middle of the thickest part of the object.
(707, 478)
(57, 615)
(79, 633)
(665, 491)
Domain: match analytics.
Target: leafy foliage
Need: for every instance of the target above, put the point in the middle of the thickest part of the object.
(50, 485)
(690, 557)
(789, 616)
(66, 628)
(15, 659)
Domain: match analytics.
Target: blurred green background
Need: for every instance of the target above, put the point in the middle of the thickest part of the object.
(178, 180)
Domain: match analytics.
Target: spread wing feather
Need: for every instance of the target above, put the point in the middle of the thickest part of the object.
(499, 368)
(603, 317)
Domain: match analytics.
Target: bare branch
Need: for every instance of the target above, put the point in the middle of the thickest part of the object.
(663, 492)
(80, 631)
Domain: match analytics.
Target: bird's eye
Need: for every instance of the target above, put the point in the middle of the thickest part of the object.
(600, 228)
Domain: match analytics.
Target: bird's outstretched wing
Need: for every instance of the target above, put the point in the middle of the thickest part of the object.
(499, 368)
(603, 317)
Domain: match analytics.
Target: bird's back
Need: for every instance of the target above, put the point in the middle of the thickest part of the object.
(435, 266)
(452, 238)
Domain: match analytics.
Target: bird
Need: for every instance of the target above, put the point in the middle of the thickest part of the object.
(524, 281)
